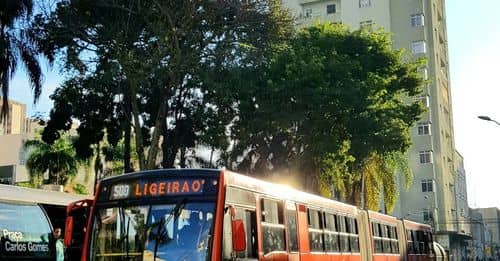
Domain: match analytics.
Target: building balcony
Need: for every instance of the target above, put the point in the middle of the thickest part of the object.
(304, 20)
(308, 1)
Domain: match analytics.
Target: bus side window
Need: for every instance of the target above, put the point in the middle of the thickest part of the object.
(344, 236)
(291, 224)
(354, 235)
(427, 243)
(377, 237)
(315, 220)
(421, 244)
(272, 225)
(416, 242)
(330, 234)
(394, 240)
(386, 244)
(409, 239)
(249, 219)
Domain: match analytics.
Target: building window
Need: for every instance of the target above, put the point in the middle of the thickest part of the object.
(22, 156)
(308, 12)
(424, 128)
(427, 185)
(366, 25)
(417, 20)
(331, 9)
(7, 174)
(427, 215)
(425, 156)
(425, 73)
(365, 3)
(424, 99)
(418, 47)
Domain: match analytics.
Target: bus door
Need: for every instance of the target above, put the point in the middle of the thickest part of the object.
(240, 234)
(77, 215)
(240, 225)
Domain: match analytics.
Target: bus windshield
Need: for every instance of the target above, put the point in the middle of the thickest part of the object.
(24, 232)
(177, 231)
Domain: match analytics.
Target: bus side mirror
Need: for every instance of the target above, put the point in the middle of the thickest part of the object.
(68, 233)
(239, 238)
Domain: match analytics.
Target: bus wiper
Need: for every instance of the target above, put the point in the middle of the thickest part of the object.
(126, 239)
(124, 231)
(162, 233)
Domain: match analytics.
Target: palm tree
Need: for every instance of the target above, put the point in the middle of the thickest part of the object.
(59, 159)
(379, 175)
(17, 45)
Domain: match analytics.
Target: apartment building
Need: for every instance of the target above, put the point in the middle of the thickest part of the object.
(437, 195)
(13, 132)
(479, 234)
(463, 237)
(491, 222)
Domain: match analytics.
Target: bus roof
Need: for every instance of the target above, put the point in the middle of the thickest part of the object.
(416, 226)
(284, 191)
(373, 215)
(160, 173)
(240, 180)
(29, 195)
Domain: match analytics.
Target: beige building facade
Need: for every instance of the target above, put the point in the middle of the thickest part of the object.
(418, 26)
(16, 129)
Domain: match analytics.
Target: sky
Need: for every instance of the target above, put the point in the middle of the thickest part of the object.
(474, 56)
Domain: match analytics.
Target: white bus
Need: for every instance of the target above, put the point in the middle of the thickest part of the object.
(27, 217)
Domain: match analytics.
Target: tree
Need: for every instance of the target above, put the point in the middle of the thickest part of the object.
(330, 104)
(58, 159)
(17, 45)
(156, 67)
(113, 158)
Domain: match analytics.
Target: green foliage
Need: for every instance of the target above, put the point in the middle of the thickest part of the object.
(28, 184)
(380, 172)
(80, 189)
(58, 159)
(17, 46)
(327, 102)
(173, 75)
(161, 68)
(335, 170)
(113, 157)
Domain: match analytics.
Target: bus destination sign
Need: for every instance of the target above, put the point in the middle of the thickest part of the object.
(158, 188)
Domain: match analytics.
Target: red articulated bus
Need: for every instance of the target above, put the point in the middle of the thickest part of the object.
(201, 214)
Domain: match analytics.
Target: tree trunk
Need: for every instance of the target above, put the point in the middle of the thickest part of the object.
(362, 195)
(97, 167)
(211, 157)
(183, 158)
(126, 153)
(155, 138)
(50, 177)
(169, 148)
(354, 196)
(137, 126)
(160, 125)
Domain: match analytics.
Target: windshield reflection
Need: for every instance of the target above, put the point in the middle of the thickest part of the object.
(179, 231)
